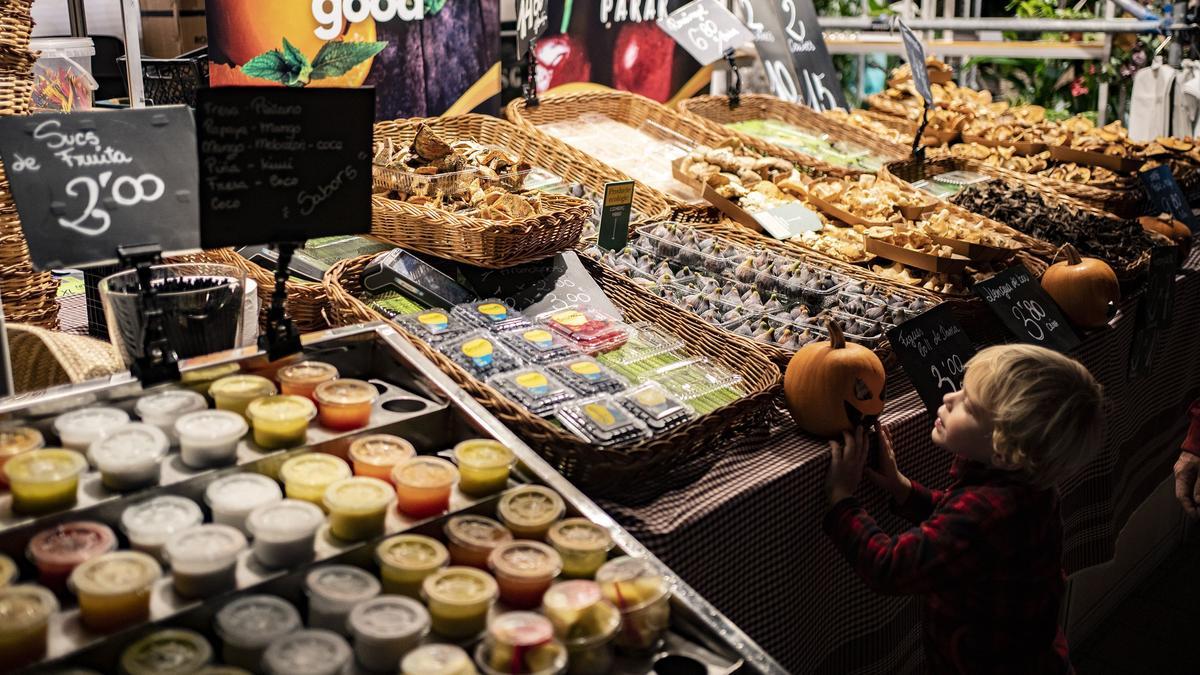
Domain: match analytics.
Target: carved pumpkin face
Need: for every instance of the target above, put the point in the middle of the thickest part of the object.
(833, 386)
(1085, 288)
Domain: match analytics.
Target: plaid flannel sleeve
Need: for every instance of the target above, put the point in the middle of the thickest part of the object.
(919, 505)
(1192, 442)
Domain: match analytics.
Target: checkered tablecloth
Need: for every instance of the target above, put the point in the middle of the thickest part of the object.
(748, 535)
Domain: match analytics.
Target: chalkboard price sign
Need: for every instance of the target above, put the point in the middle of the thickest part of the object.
(614, 215)
(280, 164)
(533, 16)
(914, 51)
(86, 183)
(933, 349)
(705, 29)
(792, 48)
(1026, 310)
(1155, 306)
(1141, 351)
(1166, 196)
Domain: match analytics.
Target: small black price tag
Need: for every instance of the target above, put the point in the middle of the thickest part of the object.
(1166, 196)
(615, 214)
(705, 29)
(1154, 309)
(1026, 310)
(914, 51)
(933, 349)
(533, 16)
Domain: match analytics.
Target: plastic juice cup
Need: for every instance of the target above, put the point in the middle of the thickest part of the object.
(334, 590)
(307, 652)
(232, 498)
(151, 523)
(280, 421)
(405, 560)
(114, 589)
(423, 486)
(300, 379)
(210, 437)
(471, 539)
(222, 670)
(345, 404)
(163, 408)
(437, 659)
(44, 480)
(585, 622)
(201, 379)
(59, 550)
(520, 642)
(524, 570)
(78, 429)
(484, 465)
(248, 624)
(459, 599)
(14, 441)
(204, 559)
(167, 652)
(375, 455)
(642, 595)
(130, 457)
(306, 476)
(385, 629)
(583, 545)
(24, 614)
(8, 571)
(358, 507)
(284, 532)
(235, 392)
(530, 510)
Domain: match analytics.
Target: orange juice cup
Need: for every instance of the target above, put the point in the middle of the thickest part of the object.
(423, 486)
(582, 544)
(26, 610)
(459, 599)
(301, 379)
(484, 465)
(345, 404)
(405, 560)
(530, 510)
(14, 441)
(471, 539)
(524, 570)
(114, 589)
(375, 455)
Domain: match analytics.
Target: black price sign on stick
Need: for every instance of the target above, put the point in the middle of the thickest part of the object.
(705, 29)
(1155, 306)
(789, 41)
(1026, 310)
(86, 183)
(934, 350)
(914, 51)
(280, 164)
(614, 215)
(1166, 196)
(533, 16)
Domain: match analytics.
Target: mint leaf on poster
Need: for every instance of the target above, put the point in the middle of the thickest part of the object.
(298, 65)
(268, 66)
(434, 6)
(337, 58)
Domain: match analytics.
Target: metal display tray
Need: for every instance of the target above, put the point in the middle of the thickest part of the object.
(418, 402)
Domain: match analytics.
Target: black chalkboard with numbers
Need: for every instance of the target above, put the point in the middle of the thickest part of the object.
(1026, 310)
(933, 349)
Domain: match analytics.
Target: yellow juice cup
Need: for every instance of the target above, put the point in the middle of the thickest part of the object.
(14, 441)
(24, 613)
(530, 510)
(405, 560)
(377, 454)
(301, 379)
(172, 650)
(44, 480)
(201, 379)
(308, 475)
(114, 589)
(483, 465)
(459, 599)
(280, 421)
(235, 392)
(583, 545)
(358, 507)
(437, 659)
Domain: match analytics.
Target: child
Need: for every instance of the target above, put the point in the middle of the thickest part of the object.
(986, 552)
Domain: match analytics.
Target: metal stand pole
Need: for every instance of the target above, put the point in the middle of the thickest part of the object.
(131, 19)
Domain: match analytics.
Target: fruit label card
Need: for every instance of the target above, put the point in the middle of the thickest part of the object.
(614, 215)
(1166, 196)
(705, 29)
(1026, 310)
(788, 221)
(283, 164)
(85, 183)
(933, 349)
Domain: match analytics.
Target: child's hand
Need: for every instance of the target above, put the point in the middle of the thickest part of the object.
(888, 476)
(846, 467)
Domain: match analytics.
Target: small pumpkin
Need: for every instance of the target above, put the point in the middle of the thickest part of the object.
(1085, 288)
(832, 386)
(1167, 226)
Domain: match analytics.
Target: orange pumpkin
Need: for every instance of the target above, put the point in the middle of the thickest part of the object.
(833, 386)
(1085, 288)
(1168, 227)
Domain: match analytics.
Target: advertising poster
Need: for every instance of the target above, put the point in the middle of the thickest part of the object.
(424, 57)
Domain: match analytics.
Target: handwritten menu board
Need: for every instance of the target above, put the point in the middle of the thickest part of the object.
(792, 48)
(1166, 196)
(1027, 310)
(86, 183)
(280, 164)
(533, 17)
(705, 29)
(933, 349)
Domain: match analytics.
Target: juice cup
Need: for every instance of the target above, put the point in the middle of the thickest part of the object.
(345, 404)
(385, 629)
(163, 408)
(78, 429)
(358, 507)
(307, 652)
(406, 559)
(459, 599)
(210, 437)
(59, 550)
(14, 441)
(334, 590)
(520, 642)
(437, 659)
(375, 455)
(585, 622)
(524, 570)
(204, 559)
(248, 624)
(151, 523)
(26, 611)
(530, 510)
(172, 651)
(471, 539)
(284, 532)
(306, 476)
(583, 545)
(280, 421)
(114, 589)
(130, 456)
(484, 466)
(423, 486)
(8, 571)
(300, 379)
(200, 380)
(44, 480)
(235, 392)
(644, 598)
(232, 498)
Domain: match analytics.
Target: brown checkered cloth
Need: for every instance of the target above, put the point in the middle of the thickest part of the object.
(748, 535)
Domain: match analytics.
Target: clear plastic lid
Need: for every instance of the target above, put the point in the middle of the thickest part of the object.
(588, 376)
(15, 440)
(538, 344)
(314, 468)
(389, 617)
(341, 584)
(254, 621)
(285, 520)
(525, 559)
(481, 532)
(79, 428)
(281, 409)
(579, 534)
(24, 607)
(307, 372)
(531, 506)
(656, 407)
(241, 492)
(346, 392)
(425, 472)
(165, 406)
(579, 611)
(412, 552)
(631, 583)
(242, 386)
(63, 47)
(154, 521)
(116, 573)
(131, 447)
(483, 453)
(211, 426)
(307, 652)
(437, 659)
(491, 313)
(359, 494)
(71, 543)
(534, 388)
(480, 353)
(589, 330)
(172, 651)
(433, 325)
(381, 450)
(47, 465)
(601, 420)
(205, 548)
(460, 586)
(694, 378)
(645, 342)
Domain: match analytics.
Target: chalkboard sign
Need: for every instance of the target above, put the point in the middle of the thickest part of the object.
(533, 16)
(1166, 197)
(86, 183)
(933, 349)
(614, 215)
(792, 48)
(1154, 309)
(542, 286)
(705, 29)
(915, 52)
(1025, 309)
(1141, 351)
(283, 164)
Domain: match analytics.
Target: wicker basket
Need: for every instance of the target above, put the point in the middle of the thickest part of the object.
(714, 113)
(624, 473)
(305, 299)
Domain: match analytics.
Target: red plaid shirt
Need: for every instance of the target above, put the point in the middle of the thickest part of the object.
(986, 556)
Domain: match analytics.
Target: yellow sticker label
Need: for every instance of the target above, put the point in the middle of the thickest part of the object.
(477, 348)
(586, 368)
(538, 336)
(571, 317)
(433, 319)
(650, 398)
(532, 381)
(493, 310)
(600, 414)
